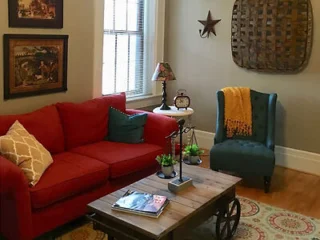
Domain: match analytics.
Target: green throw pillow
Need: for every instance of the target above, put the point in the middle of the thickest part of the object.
(126, 128)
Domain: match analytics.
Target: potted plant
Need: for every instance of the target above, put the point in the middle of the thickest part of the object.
(193, 152)
(166, 162)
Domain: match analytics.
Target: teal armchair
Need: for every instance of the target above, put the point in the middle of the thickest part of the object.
(247, 155)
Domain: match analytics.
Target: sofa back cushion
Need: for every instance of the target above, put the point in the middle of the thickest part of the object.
(87, 122)
(44, 124)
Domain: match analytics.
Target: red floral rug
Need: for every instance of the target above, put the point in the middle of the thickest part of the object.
(258, 222)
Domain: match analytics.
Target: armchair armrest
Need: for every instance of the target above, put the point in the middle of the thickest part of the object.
(219, 136)
(15, 205)
(157, 128)
(271, 121)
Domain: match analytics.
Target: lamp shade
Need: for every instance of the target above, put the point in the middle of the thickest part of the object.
(163, 72)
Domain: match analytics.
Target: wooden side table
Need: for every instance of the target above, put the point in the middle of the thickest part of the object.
(175, 113)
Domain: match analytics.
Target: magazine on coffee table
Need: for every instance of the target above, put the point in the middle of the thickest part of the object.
(141, 203)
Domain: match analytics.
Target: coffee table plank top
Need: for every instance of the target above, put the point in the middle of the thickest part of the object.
(207, 186)
(185, 202)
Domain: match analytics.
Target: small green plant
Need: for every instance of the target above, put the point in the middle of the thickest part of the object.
(166, 160)
(192, 150)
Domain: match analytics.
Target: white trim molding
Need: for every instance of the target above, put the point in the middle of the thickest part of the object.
(143, 101)
(97, 48)
(303, 161)
(204, 139)
(299, 160)
(159, 40)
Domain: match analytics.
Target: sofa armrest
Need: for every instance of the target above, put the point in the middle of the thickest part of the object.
(271, 121)
(15, 205)
(157, 128)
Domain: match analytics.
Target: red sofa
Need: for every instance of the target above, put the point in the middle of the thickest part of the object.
(85, 166)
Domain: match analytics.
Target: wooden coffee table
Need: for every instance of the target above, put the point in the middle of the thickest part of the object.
(212, 193)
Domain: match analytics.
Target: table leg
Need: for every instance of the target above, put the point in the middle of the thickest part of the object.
(228, 219)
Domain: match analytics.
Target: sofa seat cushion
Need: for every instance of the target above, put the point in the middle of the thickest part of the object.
(68, 175)
(122, 158)
(243, 156)
(44, 124)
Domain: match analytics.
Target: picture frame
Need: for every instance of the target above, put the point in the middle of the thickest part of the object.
(34, 64)
(35, 13)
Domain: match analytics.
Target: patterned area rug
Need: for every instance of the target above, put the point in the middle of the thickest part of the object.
(258, 222)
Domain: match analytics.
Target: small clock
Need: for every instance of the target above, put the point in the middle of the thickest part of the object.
(181, 100)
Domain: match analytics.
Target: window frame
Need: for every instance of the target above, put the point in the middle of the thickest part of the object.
(156, 7)
(139, 85)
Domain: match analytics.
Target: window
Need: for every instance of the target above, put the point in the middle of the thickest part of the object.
(124, 55)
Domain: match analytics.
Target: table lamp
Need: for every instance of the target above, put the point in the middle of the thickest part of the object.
(163, 73)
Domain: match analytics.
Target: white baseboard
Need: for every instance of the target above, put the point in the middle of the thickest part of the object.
(303, 161)
(299, 160)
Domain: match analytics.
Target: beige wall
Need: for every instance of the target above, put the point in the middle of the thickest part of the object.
(79, 25)
(203, 66)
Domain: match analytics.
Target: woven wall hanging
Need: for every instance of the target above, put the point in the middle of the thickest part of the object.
(272, 35)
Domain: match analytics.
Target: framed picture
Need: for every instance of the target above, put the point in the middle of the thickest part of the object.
(36, 13)
(34, 64)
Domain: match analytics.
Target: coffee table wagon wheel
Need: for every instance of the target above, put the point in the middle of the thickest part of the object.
(228, 219)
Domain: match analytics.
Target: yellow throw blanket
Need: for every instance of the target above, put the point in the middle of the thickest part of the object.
(237, 111)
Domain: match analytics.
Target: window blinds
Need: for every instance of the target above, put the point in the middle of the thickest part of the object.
(123, 50)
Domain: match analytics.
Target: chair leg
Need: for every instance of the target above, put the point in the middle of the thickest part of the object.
(267, 182)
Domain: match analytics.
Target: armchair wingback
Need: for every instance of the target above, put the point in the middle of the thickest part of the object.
(247, 155)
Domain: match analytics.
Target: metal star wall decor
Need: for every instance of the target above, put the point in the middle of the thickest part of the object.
(209, 25)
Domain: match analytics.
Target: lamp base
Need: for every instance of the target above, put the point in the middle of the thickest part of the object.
(177, 186)
(164, 107)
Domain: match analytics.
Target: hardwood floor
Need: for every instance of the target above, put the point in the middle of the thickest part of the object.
(291, 190)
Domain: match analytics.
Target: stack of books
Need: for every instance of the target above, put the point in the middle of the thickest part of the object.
(141, 203)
